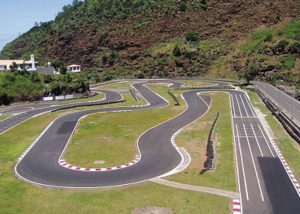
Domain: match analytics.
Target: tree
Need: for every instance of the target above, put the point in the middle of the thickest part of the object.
(13, 67)
(250, 71)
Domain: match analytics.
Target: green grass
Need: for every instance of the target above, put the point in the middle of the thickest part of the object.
(289, 148)
(122, 85)
(288, 62)
(111, 137)
(19, 197)
(194, 140)
(194, 83)
(292, 30)
(4, 117)
(263, 35)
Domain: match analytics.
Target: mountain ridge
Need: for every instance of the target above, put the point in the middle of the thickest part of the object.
(99, 35)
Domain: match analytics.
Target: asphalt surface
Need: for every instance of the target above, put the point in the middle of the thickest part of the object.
(265, 186)
(158, 155)
(15, 120)
(283, 101)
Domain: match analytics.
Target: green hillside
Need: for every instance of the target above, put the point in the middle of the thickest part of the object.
(168, 38)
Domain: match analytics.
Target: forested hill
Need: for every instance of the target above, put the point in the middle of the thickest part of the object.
(153, 37)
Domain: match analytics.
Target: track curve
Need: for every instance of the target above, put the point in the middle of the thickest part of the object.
(158, 155)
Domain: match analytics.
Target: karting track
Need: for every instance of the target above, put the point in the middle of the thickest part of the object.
(265, 185)
(158, 155)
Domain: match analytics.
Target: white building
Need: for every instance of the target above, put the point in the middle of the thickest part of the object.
(29, 65)
(74, 68)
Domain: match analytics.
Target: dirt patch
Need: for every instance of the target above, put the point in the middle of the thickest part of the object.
(152, 210)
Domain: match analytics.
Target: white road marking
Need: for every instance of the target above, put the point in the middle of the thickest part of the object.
(257, 140)
(242, 161)
(265, 140)
(232, 106)
(251, 107)
(244, 106)
(261, 194)
(238, 106)
(203, 100)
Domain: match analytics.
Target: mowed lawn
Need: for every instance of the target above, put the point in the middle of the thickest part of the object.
(4, 117)
(196, 83)
(117, 85)
(289, 148)
(194, 140)
(19, 197)
(111, 138)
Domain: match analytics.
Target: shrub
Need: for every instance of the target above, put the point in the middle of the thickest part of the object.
(176, 51)
(182, 7)
(295, 48)
(192, 36)
(281, 47)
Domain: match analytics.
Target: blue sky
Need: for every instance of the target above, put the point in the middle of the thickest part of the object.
(18, 16)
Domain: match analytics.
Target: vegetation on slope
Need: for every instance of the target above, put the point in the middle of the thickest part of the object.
(114, 37)
(25, 86)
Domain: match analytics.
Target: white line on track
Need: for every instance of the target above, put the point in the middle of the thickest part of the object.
(256, 140)
(244, 105)
(242, 161)
(267, 142)
(251, 107)
(236, 152)
(261, 193)
(238, 105)
(232, 106)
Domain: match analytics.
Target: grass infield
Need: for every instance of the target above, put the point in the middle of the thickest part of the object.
(194, 139)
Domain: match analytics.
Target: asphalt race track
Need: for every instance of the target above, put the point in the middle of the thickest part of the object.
(265, 185)
(111, 97)
(158, 155)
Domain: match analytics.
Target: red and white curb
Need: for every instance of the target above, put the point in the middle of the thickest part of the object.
(287, 168)
(236, 206)
(64, 164)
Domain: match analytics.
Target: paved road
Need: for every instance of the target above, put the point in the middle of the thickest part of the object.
(285, 102)
(15, 120)
(264, 184)
(158, 154)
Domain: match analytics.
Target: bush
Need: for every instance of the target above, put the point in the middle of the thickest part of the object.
(182, 7)
(192, 36)
(295, 48)
(176, 51)
(280, 47)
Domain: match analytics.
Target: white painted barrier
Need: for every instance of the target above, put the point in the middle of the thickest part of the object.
(47, 98)
(67, 97)
(59, 97)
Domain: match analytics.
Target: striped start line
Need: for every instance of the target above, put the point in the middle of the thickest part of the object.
(64, 164)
